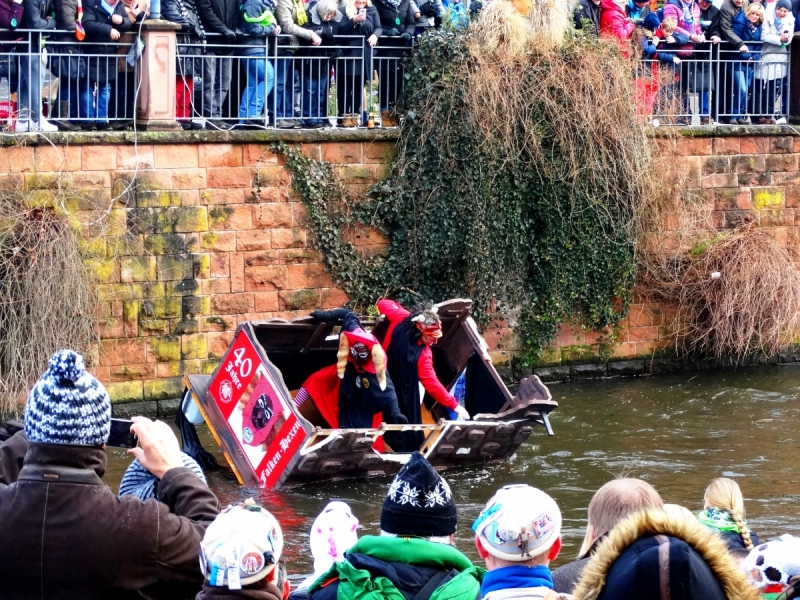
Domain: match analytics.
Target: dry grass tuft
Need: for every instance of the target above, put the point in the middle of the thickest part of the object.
(46, 300)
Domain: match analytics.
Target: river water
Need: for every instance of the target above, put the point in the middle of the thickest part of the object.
(677, 432)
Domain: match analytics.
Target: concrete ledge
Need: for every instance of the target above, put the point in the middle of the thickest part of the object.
(79, 138)
(722, 131)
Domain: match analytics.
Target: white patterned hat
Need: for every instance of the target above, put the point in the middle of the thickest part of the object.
(419, 502)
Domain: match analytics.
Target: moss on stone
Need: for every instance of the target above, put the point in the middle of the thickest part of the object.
(102, 270)
(166, 348)
(301, 299)
(137, 268)
(191, 218)
(219, 214)
(193, 347)
(125, 391)
(163, 389)
(157, 198)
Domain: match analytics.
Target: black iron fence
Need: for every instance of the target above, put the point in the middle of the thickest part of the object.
(714, 83)
(49, 80)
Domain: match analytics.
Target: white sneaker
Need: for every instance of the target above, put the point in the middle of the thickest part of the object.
(22, 125)
(46, 126)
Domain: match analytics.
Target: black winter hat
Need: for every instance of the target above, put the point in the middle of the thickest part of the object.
(419, 502)
(651, 564)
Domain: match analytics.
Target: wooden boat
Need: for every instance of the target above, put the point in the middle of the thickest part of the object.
(268, 360)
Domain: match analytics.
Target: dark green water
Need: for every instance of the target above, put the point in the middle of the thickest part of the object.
(676, 432)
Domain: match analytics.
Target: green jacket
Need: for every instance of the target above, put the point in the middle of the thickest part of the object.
(358, 584)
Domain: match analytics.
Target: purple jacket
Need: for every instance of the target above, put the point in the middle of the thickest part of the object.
(675, 8)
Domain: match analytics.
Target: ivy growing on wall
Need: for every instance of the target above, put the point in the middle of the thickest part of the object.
(521, 198)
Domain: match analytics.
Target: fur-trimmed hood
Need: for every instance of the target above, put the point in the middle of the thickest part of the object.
(640, 530)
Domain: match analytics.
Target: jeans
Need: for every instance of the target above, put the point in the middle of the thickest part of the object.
(281, 98)
(315, 89)
(91, 108)
(216, 84)
(765, 93)
(742, 78)
(260, 79)
(30, 87)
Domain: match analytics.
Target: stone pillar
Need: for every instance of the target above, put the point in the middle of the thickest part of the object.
(157, 75)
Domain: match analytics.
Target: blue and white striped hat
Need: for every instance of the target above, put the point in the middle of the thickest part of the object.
(141, 483)
(67, 405)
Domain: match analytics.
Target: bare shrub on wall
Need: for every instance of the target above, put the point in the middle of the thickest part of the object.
(46, 297)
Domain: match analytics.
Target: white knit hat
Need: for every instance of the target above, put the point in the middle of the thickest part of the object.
(518, 523)
(241, 546)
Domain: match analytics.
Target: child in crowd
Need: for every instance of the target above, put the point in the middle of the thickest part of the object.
(723, 511)
(662, 46)
(774, 567)
(240, 556)
(333, 533)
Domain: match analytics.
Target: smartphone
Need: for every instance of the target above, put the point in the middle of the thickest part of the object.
(362, 11)
(121, 435)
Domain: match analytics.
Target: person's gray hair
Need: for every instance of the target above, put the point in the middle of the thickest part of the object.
(326, 7)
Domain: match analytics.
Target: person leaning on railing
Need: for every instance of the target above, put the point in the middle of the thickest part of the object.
(67, 64)
(747, 25)
(728, 53)
(692, 79)
(222, 17)
(35, 15)
(104, 21)
(709, 21)
(356, 64)
(189, 62)
(291, 15)
(773, 69)
(397, 19)
(257, 23)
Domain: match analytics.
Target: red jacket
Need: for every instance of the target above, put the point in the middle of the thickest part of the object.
(615, 24)
(427, 376)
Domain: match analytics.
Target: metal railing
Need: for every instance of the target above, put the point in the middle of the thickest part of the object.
(715, 83)
(49, 78)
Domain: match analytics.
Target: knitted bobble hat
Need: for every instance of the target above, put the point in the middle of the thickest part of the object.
(241, 546)
(138, 481)
(67, 405)
(518, 523)
(783, 4)
(419, 502)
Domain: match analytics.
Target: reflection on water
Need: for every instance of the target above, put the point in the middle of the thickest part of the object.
(676, 432)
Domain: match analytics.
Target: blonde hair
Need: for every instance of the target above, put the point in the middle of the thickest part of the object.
(669, 25)
(350, 7)
(613, 502)
(725, 494)
(755, 8)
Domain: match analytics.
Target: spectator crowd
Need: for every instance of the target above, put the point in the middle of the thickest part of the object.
(67, 535)
(731, 55)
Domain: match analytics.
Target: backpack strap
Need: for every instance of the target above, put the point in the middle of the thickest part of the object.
(434, 583)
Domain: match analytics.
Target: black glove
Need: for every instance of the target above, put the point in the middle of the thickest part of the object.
(793, 591)
(437, 22)
(475, 7)
(398, 418)
(429, 9)
(230, 35)
(406, 36)
(393, 32)
(326, 316)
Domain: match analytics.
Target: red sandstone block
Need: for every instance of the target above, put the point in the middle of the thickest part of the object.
(792, 196)
(720, 180)
(237, 271)
(781, 145)
(732, 198)
(220, 285)
(57, 158)
(266, 301)
(308, 276)
(128, 157)
(256, 239)
(786, 178)
(271, 176)
(230, 218)
(229, 177)
(568, 337)
(727, 145)
(299, 214)
(781, 162)
(231, 304)
(175, 156)
(219, 155)
(11, 182)
(122, 352)
(384, 152)
(342, 153)
(20, 159)
(188, 179)
(755, 179)
(98, 157)
(219, 264)
(190, 197)
(149, 180)
(640, 316)
(227, 196)
(776, 217)
(782, 235)
(334, 298)
(288, 238)
(755, 144)
(258, 154)
(273, 215)
(796, 144)
(265, 279)
(92, 179)
(262, 258)
(734, 218)
(748, 163)
(216, 323)
(625, 350)
(270, 194)
(218, 343)
(111, 328)
(642, 334)
(312, 151)
(218, 241)
(132, 372)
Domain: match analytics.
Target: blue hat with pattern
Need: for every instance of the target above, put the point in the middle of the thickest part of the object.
(67, 405)
(141, 483)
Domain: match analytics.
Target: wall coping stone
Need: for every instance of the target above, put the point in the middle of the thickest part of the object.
(80, 138)
(724, 131)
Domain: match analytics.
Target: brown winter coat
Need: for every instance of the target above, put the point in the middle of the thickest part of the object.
(656, 522)
(76, 539)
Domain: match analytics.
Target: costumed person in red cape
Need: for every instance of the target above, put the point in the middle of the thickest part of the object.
(410, 363)
(356, 392)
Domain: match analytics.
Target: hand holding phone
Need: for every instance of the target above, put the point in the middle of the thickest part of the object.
(159, 449)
